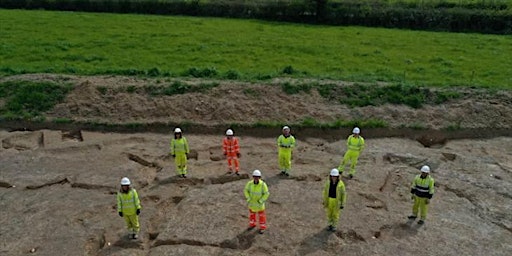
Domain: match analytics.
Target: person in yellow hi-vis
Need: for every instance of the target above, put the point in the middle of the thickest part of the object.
(355, 145)
(256, 193)
(334, 199)
(180, 151)
(422, 190)
(128, 206)
(285, 144)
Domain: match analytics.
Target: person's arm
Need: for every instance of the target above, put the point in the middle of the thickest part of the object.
(173, 146)
(265, 195)
(325, 194)
(292, 145)
(246, 191)
(431, 188)
(187, 149)
(119, 203)
(343, 195)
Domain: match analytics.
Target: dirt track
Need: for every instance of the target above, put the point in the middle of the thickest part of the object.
(57, 187)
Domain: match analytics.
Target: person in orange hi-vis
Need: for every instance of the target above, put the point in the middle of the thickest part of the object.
(231, 148)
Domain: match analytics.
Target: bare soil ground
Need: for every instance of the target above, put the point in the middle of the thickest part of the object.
(57, 187)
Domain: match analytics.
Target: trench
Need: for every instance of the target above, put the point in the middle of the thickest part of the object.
(427, 137)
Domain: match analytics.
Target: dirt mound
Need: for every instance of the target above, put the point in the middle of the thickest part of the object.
(113, 99)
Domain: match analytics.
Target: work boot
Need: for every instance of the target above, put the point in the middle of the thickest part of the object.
(333, 228)
(250, 228)
(237, 173)
(135, 236)
(421, 222)
(262, 231)
(411, 217)
(229, 172)
(184, 176)
(286, 174)
(283, 173)
(329, 228)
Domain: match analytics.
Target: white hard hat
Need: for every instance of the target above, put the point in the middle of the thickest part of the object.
(425, 169)
(335, 172)
(356, 130)
(286, 128)
(125, 181)
(256, 173)
(229, 132)
(177, 130)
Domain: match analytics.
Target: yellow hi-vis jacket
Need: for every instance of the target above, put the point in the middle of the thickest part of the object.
(256, 195)
(341, 195)
(179, 146)
(423, 187)
(355, 144)
(128, 203)
(286, 144)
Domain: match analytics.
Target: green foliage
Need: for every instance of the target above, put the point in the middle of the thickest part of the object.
(177, 87)
(369, 123)
(447, 15)
(289, 70)
(118, 45)
(232, 75)
(27, 100)
(360, 95)
(290, 88)
(417, 126)
(205, 72)
(454, 127)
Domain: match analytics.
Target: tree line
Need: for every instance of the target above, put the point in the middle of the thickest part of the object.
(482, 17)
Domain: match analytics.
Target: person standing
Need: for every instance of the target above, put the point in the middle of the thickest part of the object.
(285, 144)
(231, 149)
(334, 199)
(256, 193)
(128, 206)
(180, 151)
(355, 145)
(422, 190)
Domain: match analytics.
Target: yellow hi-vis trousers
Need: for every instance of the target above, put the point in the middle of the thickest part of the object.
(350, 156)
(420, 204)
(333, 211)
(181, 163)
(132, 223)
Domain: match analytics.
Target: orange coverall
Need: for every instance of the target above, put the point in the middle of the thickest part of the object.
(231, 150)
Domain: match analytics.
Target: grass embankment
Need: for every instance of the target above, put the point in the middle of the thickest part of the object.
(24, 100)
(88, 43)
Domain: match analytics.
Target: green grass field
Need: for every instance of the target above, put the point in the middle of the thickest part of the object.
(89, 43)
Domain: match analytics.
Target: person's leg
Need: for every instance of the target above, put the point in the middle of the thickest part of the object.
(129, 225)
(230, 162)
(252, 219)
(288, 162)
(415, 206)
(343, 162)
(423, 208)
(282, 161)
(263, 220)
(134, 219)
(353, 162)
(236, 163)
